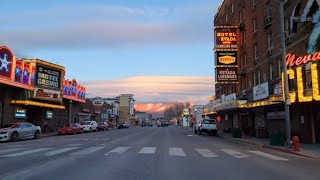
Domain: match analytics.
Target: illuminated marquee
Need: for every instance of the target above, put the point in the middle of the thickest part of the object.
(299, 76)
(15, 72)
(72, 90)
(226, 38)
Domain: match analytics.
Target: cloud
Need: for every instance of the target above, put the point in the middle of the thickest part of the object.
(107, 26)
(156, 89)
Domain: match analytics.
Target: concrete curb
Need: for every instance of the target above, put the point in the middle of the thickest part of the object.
(56, 133)
(275, 148)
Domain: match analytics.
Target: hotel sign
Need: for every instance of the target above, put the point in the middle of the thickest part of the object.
(226, 75)
(226, 38)
(48, 78)
(226, 58)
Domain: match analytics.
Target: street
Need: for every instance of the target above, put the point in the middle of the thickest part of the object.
(147, 153)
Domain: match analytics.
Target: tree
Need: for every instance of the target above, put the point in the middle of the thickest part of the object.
(175, 110)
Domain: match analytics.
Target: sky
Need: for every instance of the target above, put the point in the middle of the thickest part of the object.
(158, 50)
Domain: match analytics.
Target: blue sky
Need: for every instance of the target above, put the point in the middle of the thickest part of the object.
(104, 41)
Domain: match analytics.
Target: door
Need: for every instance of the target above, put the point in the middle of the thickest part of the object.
(24, 131)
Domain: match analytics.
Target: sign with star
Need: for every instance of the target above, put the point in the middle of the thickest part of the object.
(6, 59)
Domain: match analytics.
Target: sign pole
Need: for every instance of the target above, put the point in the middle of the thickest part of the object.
(285, 77)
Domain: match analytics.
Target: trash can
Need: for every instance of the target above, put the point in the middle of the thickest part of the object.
(276, 139)
(236, 133)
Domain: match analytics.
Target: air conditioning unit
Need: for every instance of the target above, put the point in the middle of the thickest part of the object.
(269, 52)
(288, 40)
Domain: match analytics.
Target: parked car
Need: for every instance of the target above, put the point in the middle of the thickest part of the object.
(103, 126)
(122, 125)
(71, 129)
(89, 126)
(17, 131)
(208, 126)
(163, 124)
(149, 124)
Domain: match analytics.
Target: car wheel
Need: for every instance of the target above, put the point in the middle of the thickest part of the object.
(37, 135)
(14, 136)
(214, 133)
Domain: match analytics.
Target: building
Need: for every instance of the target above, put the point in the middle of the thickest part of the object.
(196, 112)
(126, 108)
(113, 112)
(33, 90)
(142, 117)
(255, 103)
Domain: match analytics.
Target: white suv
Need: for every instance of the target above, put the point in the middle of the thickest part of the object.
(89, 126)
(208, 126)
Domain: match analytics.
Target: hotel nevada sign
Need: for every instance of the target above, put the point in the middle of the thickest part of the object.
(296, 72)
(226, 37)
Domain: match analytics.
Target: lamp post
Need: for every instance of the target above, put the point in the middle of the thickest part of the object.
(285, 77)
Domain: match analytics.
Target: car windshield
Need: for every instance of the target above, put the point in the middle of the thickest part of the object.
(209, 122)
(10, 126)
(100, 123)
(86, 123)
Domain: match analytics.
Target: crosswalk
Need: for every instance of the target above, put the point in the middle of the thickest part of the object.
(118, 151)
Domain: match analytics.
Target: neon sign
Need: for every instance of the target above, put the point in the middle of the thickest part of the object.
(72, 90)
(293, 60)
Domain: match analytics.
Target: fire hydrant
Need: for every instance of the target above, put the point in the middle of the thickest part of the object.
(296, 143)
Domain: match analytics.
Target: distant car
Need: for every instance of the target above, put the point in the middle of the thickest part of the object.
(71, 129)
(163, 124)
(122, 125)
(89, 126)
(16, 131)
(208, 126)
(103, 126)
(149, 124)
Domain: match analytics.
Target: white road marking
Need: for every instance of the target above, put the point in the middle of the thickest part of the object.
(55, 152)
(234, 153)
(148, 150)
(10, 150)
(87, 151)
(26, 152)
(190, 135)
(118, 150)
(105, 139)
(176, 152)
(270, 156)
(74, 145)
(102, 144)
(206, 153)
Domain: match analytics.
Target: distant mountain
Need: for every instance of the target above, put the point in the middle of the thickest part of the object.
(153, 108)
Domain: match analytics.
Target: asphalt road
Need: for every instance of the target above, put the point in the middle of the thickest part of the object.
(145, 153)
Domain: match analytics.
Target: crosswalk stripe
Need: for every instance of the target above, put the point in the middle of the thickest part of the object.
(270, 156)
(206, 153)
(148, 150)
(58, 151)
(88, 150)
(118, 150)
(26, 152)
(176, 152)
(234, 153)
(74, 145)
(10, 150)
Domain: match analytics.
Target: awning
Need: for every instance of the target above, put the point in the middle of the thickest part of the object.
(34, 103)
(259, 103)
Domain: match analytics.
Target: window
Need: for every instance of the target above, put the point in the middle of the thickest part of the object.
(245, 59)
(287, 27)
(243, 13)
(308, 81)
(244, 83)
(259, 77)
(254, 2)
(226, 17)
(255, 51)
(232, 8)
(268, 9)
(279, 68)
(271, 76)
(240, 17)
(243, 38)
(254, 78)
(254, 25)
(269, 41)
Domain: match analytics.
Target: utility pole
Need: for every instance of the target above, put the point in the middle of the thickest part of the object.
(70, 111)
(285, 77)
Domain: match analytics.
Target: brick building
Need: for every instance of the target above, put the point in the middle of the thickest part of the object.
(260, 68)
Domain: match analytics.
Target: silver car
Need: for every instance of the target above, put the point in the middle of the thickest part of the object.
(16, 131)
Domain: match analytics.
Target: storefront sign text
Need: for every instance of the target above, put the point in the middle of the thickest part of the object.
(48, 78)
(47, 94)
(20, 113)
(226, 58)
(293, 60)
(227, 74)
(261, 91)
(226, 38)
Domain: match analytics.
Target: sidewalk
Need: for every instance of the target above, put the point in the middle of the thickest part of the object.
(306, 150)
